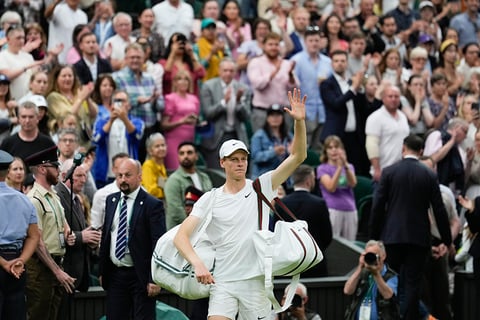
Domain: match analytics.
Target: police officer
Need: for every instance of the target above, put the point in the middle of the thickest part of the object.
(46, 280)
(19, 237)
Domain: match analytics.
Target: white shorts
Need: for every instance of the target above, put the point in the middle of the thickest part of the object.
(246, 298)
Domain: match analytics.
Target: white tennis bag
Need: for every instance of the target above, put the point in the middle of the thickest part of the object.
(174, 273)
(288, 251)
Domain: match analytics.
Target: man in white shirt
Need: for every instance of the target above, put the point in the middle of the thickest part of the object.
(115, 46)
(63, 17)
(173, 16)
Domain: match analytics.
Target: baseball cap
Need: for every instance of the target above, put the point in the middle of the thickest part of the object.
(425, 38)
(207, 23)
(230, 146)
(275, 109)
(38, 100)
(425, 4)
(4, 79)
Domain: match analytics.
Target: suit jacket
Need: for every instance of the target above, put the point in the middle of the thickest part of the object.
(400, 205)
(211, 96)
(147, 224)
(77, 257)
(336, 109)
(83, 72)
(312, 209)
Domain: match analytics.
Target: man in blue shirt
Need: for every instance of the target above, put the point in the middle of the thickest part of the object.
(19, 237)
(373, 286)
(311, 68)
(467, 23)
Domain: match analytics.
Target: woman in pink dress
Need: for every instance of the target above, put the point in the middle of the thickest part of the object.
(180, 116)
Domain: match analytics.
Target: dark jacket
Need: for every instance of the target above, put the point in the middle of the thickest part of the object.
(387, 308)
(84, 74)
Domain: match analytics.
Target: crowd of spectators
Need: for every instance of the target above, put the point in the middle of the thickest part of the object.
(167, 82)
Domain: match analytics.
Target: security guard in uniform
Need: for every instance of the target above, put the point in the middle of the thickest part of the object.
(46, 280)
(19, 237)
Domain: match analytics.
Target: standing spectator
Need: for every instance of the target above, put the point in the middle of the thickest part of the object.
(448, 60)
(141, 90)
(441, 104)
(270, 144)
(120, 132)
(301, 19)
(8, 114)
(16, 64)
(210, 9)
(30, 10)
(345, 110)
(28, 140)
(90, 64)
(154, 172)
(357, 59)
(210, 49)
(390, 67)
(416, 107)
(389, 28)
(182, 110)
(180, 56)
(101, 23)
(467, 23)
(63, 17)
(125, 255)
(67, 95)
(312, 209)
(270, 76)
(311, 69)
(368, 22)
(385, 130)
(146, 30)
(18, 240)
(77, 256)
(418, 59)
(67, 144)
(400, 219)
(381, 295)
(73, 52)
(38, 85)
(238, 30)
(16, 174)
(224, 105)
(102, 94)
(115, 47)
(47, 282)
(333, 31)
(155, 69)
(173, 16)
(471, 58)
(186, 175)
(337, 179)
(405, 19)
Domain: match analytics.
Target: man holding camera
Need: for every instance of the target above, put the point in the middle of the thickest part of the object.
(373, 286)
(298, 310)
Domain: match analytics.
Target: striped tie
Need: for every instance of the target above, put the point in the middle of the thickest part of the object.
(121, 246)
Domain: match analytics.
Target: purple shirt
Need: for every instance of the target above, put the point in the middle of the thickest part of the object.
(343, 198)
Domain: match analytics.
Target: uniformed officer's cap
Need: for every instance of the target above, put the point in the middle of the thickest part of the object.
(45, 156)
(5, 160)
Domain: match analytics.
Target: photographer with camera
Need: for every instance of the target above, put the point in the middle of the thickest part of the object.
(373, 286)
(297, 310)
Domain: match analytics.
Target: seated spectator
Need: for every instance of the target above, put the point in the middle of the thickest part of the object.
(179, 56)
(121, 132)
(154, 173)
(182, 110)
(238, 30)
(16, 174)
(67, 95)
(271, 144)
(416, 107)
(298, 309)
(381, 294)
(146, 30)
(337, 179)
(102, 94)
(210, 49)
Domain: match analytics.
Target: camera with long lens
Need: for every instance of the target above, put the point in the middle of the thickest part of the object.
(371, 258)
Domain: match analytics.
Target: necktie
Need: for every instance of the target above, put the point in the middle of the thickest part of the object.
(121, 245)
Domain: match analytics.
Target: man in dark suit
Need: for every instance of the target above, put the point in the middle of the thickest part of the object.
(77, 259)
(91, 64)
(224, 104)
(400, 218)
(134, 220)
(346, 111)
(312, 209)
